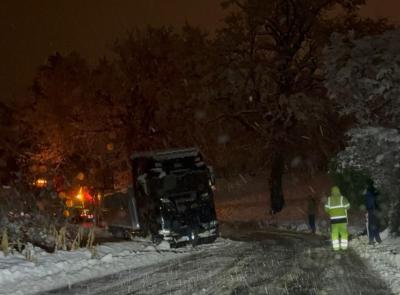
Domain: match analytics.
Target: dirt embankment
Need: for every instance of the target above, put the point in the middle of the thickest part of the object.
(246, 199)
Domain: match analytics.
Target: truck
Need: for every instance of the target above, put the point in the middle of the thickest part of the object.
(171, 199)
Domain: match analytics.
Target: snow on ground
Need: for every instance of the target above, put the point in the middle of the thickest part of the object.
(384, 258)
(48, 271)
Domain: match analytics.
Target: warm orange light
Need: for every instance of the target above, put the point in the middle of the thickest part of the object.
(80, 176)
(69, 203)
(41, 182)
(79, 196)
(66, 213)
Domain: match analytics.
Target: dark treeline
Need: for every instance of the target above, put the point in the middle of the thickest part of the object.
(250, 95)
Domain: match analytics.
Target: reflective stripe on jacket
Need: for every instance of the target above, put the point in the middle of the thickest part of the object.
(337, 205)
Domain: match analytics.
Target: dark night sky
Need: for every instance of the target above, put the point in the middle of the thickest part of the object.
(30, 30)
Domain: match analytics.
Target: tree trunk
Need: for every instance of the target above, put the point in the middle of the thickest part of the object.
(275, 183)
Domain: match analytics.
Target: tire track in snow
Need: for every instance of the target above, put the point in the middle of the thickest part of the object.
(263, 262)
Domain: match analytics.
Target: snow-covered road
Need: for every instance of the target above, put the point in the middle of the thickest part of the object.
(254, 262)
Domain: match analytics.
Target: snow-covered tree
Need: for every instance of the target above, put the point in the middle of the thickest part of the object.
(269, 65)
(363, 78)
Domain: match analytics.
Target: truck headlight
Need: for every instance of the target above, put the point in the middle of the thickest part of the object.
(165, 201)
(213, 223)
(164, 232)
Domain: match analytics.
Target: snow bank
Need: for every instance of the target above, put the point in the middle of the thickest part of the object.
(49, 271)
(384, 258)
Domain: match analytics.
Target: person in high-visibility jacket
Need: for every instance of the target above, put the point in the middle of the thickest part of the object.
(337, 207)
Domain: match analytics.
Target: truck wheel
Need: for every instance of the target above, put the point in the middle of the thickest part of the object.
(173, 245)
(156, 239)
(128, 235)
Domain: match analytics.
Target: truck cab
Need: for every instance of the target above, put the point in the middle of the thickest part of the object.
(171, 198)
